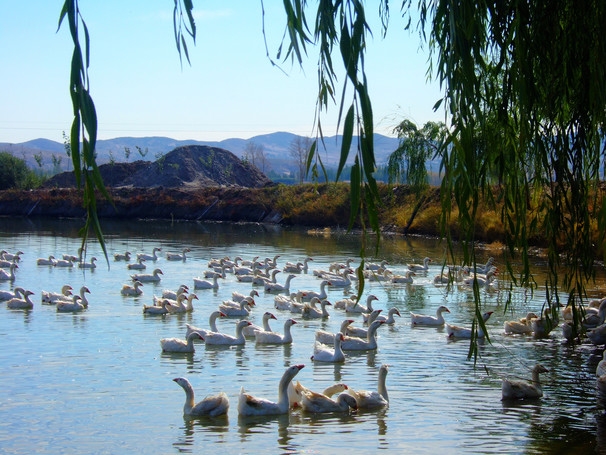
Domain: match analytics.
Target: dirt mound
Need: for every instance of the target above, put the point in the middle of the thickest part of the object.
(191, 166)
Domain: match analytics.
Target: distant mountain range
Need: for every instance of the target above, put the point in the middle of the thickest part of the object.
(276, 146)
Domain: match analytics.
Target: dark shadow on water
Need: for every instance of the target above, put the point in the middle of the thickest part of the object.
(248, 425)
(193, 425)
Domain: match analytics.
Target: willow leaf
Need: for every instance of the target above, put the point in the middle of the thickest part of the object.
(348, 126)
(355, 187)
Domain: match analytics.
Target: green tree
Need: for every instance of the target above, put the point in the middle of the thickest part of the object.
(13, 172)
(408, 163)
(38, 157)
(141, 151)
(56, 163)
(67, 146)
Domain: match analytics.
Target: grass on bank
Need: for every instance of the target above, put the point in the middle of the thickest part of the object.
(324, 205)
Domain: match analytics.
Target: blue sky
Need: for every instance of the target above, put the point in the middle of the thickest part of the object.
(229, 90)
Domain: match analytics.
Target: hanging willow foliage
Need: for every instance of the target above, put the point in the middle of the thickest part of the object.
(525, 92)
(83, 132)
(524, 85)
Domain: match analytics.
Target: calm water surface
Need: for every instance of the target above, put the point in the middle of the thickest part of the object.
(97, 382)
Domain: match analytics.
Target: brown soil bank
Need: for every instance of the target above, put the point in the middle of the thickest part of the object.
(208, 183)
(309, 205)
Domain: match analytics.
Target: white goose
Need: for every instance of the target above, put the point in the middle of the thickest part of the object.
(341, 304)
(45, 261)
(238, 297)
(482, 280)
(455, 331)
(291, 267)
(390, 319)
(324, 337)
(260, 279)
(210, 273)
(199, 283)
(319, 403)
(597, 336)
(357, 308)
(298, 267)
(520, 389)
(71, 257)
(184, 304)
(277, 287)
(122, 256)
(360, 344)
(310, 312)
(82, 293)
(133, 290)
(217, 338)
(484, 268)
(375, 266)
(10, 274)
(591, 321)
(212, 405)
(323, 353)
(64, 263)
(150, 257)
(157, 309)
(251, 330)
(308, 295)
(178, 256)
(600, 369)
(139, 265)
(16, 294)
(246, 262)
(542, 327)
(50, 298)
(297, 304)
(177, 303)
(268, 337)
(420, 267)
(362, 332)
(403, 279)
(336, 266)
(237, 309)
(16, 257)
(367, 399)
(24, 303)
(88, 265)
(4, 263)
(296, 389)
(521, 326)
(146, 277)
(342, 280)
(179, 345)
(249, 405)
(431, 321)
(212, 323)
(73, 306)
(170, 294)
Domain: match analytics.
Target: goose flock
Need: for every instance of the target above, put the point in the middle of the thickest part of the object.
(292, 308)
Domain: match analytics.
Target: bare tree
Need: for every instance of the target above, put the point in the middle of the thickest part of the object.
(255, 154)
(299, 150)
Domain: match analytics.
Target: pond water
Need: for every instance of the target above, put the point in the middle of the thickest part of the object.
(97, 381)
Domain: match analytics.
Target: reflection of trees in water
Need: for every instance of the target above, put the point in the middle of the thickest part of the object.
(406, 298)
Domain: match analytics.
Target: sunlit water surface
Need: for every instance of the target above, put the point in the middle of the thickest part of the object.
(97, 382)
